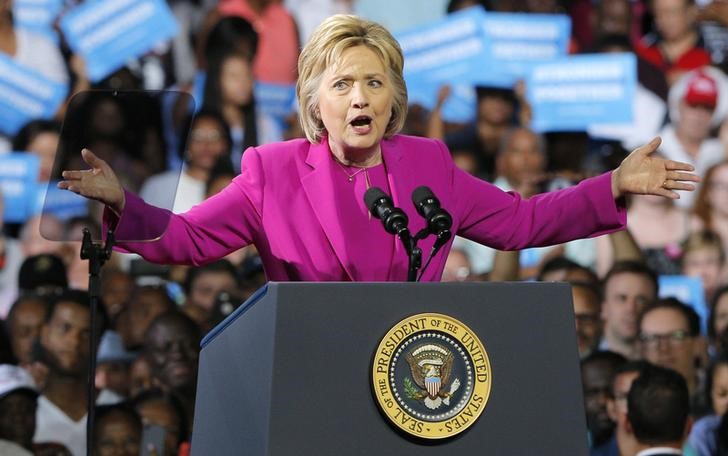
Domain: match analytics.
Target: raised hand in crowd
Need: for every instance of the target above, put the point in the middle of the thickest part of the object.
(435, 124)
(525, 112)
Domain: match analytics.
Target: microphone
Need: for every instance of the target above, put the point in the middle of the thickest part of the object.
(438, 220)
(381, 206)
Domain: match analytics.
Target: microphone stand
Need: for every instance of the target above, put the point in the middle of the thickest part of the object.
(414, 255)
(442, 238)
(415, 262)
(97, 253)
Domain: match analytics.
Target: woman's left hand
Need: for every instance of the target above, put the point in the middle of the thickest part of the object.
(643, 174)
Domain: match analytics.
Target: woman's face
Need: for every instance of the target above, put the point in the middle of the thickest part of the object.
(44, 146)
(355, 103)
(720, 322)
(206, 143)
(718, 190)
(719, 392)
(107, 118)
(704, 263)
(236, 81)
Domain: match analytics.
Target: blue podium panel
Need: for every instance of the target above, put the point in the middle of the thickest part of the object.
(289, 373)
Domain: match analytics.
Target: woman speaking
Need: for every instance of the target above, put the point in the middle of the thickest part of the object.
(301, 202)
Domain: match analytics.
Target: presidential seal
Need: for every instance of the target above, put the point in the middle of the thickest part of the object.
(431, 376)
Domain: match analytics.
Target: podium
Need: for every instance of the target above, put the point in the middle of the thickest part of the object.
(290, 371)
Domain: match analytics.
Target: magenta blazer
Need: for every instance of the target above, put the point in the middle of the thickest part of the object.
(283, 203)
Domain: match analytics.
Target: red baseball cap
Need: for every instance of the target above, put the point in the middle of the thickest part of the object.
(702, 90)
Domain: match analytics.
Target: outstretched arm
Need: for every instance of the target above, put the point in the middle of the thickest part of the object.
(507, 221)
(219, 225)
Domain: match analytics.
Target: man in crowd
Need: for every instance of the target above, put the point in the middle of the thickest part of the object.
(146, 303)
(203, 285)
(687, 138)
(587, 311)
(24, 321)
(64, 342)
(670, 337)
(658, 412)
(18, 400)
(628, 287)
(623, 442)
(172, 346)
(676, 46)
(597, 371)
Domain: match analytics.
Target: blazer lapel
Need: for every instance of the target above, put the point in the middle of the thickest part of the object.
(319, 189)
(401, 184)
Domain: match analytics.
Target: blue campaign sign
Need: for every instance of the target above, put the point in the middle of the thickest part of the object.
(109, 33)
(37, 15)
(688, 290)
(277, 100)
(459, 106)
(572, 93)
(518, 41)
(25, 95)
(60, 203)
(18, 181)
(449, 51)
(452, 49)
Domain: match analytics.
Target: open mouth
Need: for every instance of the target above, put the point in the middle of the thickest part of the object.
(361, 121)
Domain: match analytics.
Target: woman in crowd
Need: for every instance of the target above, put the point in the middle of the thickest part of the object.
(711, 205)
(718, 321)
(208, 142)
(659, 227)
(703, 257)
(40, 138)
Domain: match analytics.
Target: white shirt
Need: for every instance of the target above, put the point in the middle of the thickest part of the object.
(310, 13)
(159, 190)
(9, 275)
(40, 54)
(710, 153)
(53, 425)
(659, 450)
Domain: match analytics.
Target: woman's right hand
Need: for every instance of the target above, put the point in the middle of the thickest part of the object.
(99, 182)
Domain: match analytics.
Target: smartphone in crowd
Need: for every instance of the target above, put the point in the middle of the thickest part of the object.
(153, 437)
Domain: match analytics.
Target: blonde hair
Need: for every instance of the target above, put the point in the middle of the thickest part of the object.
(335, 35)
(705, 239)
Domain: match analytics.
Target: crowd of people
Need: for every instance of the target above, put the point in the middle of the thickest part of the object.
(654, 367)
